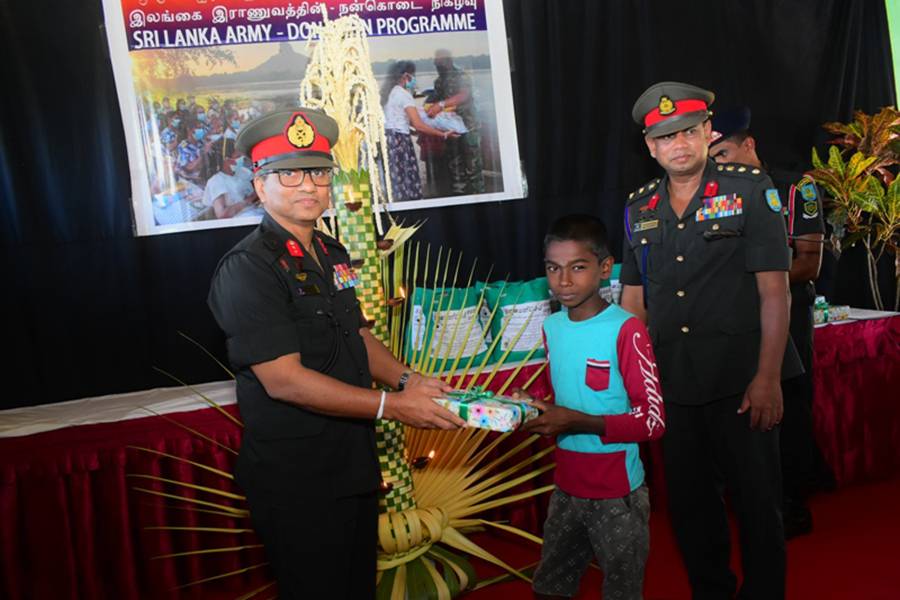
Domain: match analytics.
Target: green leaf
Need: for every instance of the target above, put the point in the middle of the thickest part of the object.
(854, 237)
(835, 161)
(459, 563)
(385, 584)
(420, 584)
(878, 131)
(859, 162)
(816, 161)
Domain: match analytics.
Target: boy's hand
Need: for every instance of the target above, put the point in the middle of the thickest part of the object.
(553, 419)
(520, 394)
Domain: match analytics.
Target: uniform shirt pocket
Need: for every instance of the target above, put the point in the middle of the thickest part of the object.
(596, 375)
(646, 248)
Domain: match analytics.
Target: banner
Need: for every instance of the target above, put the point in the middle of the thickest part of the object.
(191, 73)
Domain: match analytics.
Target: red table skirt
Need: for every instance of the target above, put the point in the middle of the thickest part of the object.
(75, 526)
(856, 407)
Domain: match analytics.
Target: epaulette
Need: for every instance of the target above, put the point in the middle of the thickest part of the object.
(267, 246)
(739, 170)
(643, 190)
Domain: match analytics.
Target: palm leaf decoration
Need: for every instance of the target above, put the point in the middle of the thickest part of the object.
(423, 545)
(437, 483)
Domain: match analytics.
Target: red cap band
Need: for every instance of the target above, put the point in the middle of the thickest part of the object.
(681, 107)
(299, 136)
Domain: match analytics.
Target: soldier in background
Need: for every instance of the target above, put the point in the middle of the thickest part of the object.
(732, 142)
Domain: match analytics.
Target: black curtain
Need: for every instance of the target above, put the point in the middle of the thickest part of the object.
(90, 309)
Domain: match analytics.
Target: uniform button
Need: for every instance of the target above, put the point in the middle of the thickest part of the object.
(681, 226)
(346, 333)
(320, 312)
(715, 227)
(685, 329)
(679, 258)
(681, 293)
(644, 240)
(360, 372)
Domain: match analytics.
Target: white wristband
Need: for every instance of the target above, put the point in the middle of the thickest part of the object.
(380, 412)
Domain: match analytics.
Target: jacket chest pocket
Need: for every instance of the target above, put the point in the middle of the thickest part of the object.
(317, 333)
(722, 237)
(646, 246)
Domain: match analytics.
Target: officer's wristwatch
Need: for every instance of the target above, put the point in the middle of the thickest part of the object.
(442, 104)
(404, 379)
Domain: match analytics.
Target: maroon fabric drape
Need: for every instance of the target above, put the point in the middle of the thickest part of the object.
(75, 526)
(856, 407)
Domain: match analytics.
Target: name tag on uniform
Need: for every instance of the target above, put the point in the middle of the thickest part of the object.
(645, 225)
(345, 277)
(308, 290)
(720, 206)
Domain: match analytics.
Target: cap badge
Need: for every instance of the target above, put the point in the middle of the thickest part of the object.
(666, 106)
(300, 132)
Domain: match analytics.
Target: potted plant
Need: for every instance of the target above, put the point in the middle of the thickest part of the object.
(864, 204)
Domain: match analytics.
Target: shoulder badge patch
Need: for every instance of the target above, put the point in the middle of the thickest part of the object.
(810, 209)
(773, 200)
(808, 191)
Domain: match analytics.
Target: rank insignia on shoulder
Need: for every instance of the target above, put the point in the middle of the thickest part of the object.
(728, 205)
(345, 277)
(645, 225)
(810, 209)
(773, 200)
(808, 191)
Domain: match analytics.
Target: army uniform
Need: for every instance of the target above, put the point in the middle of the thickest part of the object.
(270, 302)
(311, 480)
(464, 153)
(803, 217)
(703, 310)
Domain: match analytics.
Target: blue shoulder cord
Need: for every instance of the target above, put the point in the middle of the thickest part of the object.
(644, 252)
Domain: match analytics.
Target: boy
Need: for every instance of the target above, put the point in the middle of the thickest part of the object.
(607, 398)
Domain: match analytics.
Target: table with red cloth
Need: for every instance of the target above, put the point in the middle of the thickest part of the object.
(76, 524)
(856, 406)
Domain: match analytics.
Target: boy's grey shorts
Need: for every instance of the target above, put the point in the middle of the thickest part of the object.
(615, 530)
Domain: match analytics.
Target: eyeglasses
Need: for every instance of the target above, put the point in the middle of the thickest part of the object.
(320, 176)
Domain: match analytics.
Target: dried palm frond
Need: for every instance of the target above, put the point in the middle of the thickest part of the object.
(340, 82)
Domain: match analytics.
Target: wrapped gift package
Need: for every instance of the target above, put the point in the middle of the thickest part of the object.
(487, 411)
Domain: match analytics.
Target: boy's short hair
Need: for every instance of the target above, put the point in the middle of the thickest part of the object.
(580, 228)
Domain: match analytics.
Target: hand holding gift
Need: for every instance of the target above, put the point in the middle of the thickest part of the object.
(487, 411)
(555, 420)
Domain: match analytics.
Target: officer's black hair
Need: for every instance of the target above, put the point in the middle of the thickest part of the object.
(580, 228)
